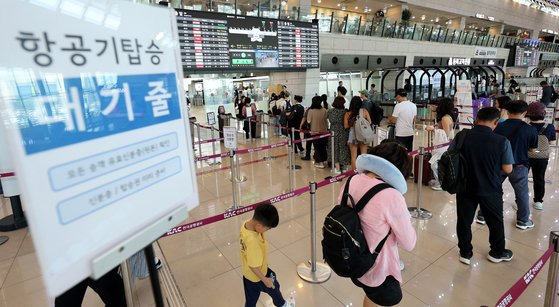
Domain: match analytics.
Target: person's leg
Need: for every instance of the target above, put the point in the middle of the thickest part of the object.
(245, 128)
(493, 214)
(465, 210)
(519, 181)
(253, 131)
(110, 289)
(353, 152)
(539, 167)
(72, 297)
(252, 292)
(363, 149)
(298, 137)
(275, 293)
(309, 145)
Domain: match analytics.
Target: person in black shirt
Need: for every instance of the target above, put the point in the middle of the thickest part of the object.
(407, 86)
(522, 137)
(547, 92)
(487, 156)
(294, 117)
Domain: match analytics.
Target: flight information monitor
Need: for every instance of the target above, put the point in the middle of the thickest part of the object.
(216, 41)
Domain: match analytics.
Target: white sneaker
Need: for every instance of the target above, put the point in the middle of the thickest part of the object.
(538, 206)
(436, 187)
(319, 165)
(290, 302)
(158, 263)
(402, 265)
(302, 153)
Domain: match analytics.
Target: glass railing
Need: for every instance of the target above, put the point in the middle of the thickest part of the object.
(342, 22)
(382, 27)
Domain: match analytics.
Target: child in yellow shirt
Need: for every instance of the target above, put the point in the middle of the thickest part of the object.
(257, 277)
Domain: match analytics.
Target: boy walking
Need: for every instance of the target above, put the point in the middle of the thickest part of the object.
(257, 277)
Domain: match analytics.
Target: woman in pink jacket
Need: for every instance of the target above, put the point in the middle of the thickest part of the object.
(385, 211)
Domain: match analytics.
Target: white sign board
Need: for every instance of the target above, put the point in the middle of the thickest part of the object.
(92, 112)
(230, 137)
(485, 52)
(549, 115)
(248, 111)
(211, 118)
(464, 100)
(382, 134)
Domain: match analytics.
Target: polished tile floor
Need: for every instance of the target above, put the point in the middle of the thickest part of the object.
(206, 262)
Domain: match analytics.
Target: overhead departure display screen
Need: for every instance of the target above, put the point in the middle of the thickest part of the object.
(216, 41)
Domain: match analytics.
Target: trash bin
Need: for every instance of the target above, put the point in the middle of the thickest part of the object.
(259, 120)
(222, 121)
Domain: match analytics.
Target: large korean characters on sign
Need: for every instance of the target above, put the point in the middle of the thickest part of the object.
(93, 114)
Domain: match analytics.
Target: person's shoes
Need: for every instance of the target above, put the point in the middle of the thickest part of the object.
(524, 225)
(505, 255)
(158, 263)
(436, 187)
(306, 158)
(302, 153)
(319, 165)
(402, 265)
(465, 258)
(480, 219)
(538, 205)
(290, 302)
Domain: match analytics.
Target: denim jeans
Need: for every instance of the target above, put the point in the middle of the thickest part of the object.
(519, 181)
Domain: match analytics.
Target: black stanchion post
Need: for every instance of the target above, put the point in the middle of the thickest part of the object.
(154, 276)
(553, 272)
(17, 219)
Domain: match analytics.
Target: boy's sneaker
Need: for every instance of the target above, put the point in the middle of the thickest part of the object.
(480, 219)
(505, 255)
(290, 302)
(524, 225)
(538, 205)
(402, 265)
(158, 263)
(465, 258)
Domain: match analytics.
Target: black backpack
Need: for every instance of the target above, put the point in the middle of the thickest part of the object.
(554, 96)
(377, 114)
(344, 246)
(452, 167)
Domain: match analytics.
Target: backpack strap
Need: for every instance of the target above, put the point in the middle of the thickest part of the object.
(381, 244)
(461, 137)
(346, 191)
(369, 195)
(543, 129)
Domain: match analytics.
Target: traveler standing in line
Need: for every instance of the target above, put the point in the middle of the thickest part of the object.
(487, 156)
(305, 126)
(403, 116)
(317, 119)
(367, 103)
(443, 133)
(540, 158)
(274, 112)
(501, 104)
(341, 149)
(522, 137)
(284, 104)
(547, 92)
(373, 89)
(341, 93)
(386, 211)
(324, 101)
(250, 120)
(294, 119)
(356, 109)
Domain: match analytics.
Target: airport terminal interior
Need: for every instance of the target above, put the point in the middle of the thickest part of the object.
(472, 54)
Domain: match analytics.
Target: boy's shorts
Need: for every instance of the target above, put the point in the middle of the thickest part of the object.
(389, 293)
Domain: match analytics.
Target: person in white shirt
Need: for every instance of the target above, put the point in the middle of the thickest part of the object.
(403, 116)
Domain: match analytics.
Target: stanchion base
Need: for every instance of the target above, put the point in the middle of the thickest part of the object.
(3, 239)
(268, 158)
(295, 167)
(233, 207)
(8, 223)
(420, 214)
(212, 164)
(238, 180)
(322, 274)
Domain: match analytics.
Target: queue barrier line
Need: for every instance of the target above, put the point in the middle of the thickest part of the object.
(320, 136)
(244, 163)
(286, 128)
(232, 213)
(207, 141)
(6, 175)
(219, 155)
(522, 284)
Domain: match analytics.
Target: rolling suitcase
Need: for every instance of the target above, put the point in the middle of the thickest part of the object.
(427, 172)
